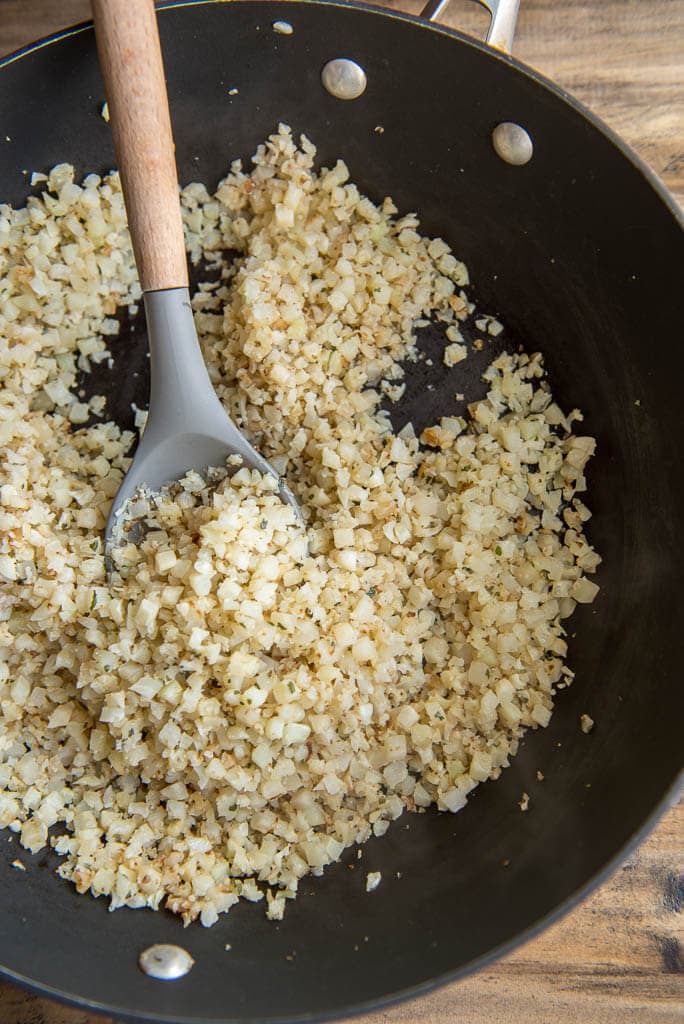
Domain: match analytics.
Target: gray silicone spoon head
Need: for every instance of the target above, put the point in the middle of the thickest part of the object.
(187, 427)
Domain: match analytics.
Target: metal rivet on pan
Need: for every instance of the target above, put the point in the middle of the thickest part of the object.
(165, 962)
(344, 79)
(512, 143)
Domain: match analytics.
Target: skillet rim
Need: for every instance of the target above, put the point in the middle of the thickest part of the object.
(637, 161)
(673, 792)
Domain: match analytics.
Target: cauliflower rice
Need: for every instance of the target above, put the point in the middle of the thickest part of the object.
(248, 698)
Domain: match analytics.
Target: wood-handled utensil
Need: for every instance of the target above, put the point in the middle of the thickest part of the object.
(187, 427)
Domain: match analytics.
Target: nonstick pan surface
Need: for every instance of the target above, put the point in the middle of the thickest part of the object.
(580, 252)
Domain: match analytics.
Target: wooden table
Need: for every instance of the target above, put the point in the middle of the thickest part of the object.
(618, 958)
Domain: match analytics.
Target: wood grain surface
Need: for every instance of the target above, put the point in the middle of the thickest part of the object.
(619, 957)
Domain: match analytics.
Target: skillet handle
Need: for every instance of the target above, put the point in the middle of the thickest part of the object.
(502, 26)
(133, 72)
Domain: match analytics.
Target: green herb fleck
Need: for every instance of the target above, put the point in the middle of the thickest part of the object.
(371, 591)
(291, 686)
(93, 600)
(498, 551)
(263, 525)
(94, 545)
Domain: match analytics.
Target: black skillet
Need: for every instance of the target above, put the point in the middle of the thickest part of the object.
(580, 251)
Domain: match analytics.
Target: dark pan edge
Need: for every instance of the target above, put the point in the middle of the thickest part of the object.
(669, 800)
(609, 133)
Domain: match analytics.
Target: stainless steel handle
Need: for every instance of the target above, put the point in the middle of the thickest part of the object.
(504, 15)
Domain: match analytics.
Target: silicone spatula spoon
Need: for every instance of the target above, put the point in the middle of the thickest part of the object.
(187, 427)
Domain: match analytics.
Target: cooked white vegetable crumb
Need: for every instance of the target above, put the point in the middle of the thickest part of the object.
(586, 723)
(454, 353)
(373, 879)
(249, 698)
(525, 801)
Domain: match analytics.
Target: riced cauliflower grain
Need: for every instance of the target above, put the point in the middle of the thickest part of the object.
(373, 879)
(454, 353)
(248, 698)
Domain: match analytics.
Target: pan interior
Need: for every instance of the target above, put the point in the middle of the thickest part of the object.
(580, 256)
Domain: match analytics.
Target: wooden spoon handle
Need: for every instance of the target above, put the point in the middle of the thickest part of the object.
(133, 72)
